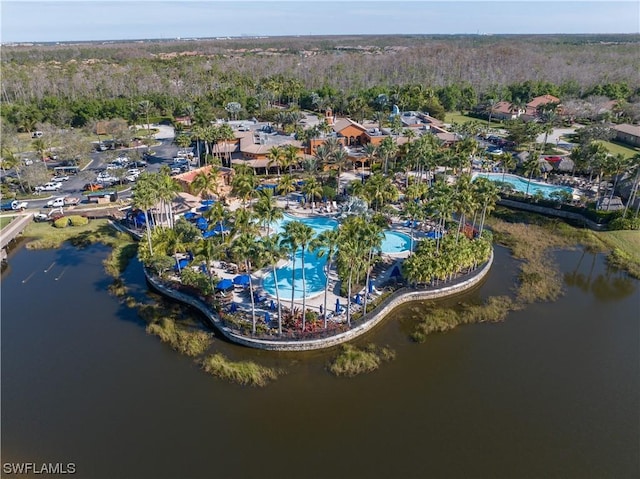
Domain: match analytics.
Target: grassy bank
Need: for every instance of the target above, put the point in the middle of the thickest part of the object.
(352, 361)
(5, 220)
(190, 342)
(246, 373)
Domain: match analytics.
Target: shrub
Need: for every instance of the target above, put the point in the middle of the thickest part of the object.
(240, 372)
(625, 224)
(353, 361)
(77, 220)
(61, 222)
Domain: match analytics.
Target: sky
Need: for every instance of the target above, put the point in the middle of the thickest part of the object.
(96, 20)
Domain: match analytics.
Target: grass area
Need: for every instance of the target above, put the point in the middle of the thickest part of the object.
(190, 342)
(624, 250)
(44, 235)
(246, 373)
(5, 220)
(615, 148)
(457, 117)
(352, 361)
(439, 320)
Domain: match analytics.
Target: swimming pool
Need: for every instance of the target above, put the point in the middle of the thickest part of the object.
(520, 184)
(395, 242)
(315, 277)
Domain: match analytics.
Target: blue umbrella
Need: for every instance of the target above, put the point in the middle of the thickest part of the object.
(272, 305)
(358, 299)
(218, 228)
(182, 263)
(233, 308)
(208, 234)
(241, 280)
(395, 272)
(203, 267)
(338, 308)
(225, 284)
(204, 208)
(370, 287)
(267, 317)
(190, 215)
(207, 202)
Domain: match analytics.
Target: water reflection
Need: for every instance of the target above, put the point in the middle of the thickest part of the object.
(606, 283)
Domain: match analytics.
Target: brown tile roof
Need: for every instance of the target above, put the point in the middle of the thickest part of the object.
(542, 100)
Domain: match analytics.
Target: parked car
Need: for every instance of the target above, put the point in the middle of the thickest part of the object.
(59, 178)
(63, 201)
(51, 186)
(15, 205)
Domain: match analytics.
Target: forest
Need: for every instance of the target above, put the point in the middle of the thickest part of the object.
(73, 84)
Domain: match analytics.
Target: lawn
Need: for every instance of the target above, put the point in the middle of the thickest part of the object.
(457, 117)
(627, 241)
(5, 220)
(45, 235)
(615, 148)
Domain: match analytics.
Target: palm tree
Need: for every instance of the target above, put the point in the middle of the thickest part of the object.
(464, 201)
(206, 183)
(275, 157)
(273, 251)
(266, 210)
(290, 156)
(217, 214)
(173, 241)
(326, 244)
(209, 250)
(243, 185)
(312, 189)
(145, 108)
(372, 237)
(487, 193)
(531, 167)
(291, 242)
(286, 185)
(167, 189)
(413, 211)
(507, 161)
(145, 197)
(340, 159)
(244, 250)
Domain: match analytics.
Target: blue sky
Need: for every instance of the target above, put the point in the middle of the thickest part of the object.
(76, 20)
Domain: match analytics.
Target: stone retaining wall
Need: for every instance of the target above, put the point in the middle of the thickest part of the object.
(553, 212)
(369, 321)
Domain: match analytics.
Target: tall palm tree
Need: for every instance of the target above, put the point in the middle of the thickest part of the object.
(312, 189)
(303, 236)
(508, 162)
(273, 250)
(531, 167)
(167, 190)
(217, 214)
(244, 250)
(145, 197)
(243, 185)
(206, 184)
(286, 185)
(326, 244)
(372, 237)
(340, 159)
(209, 250)
(275, 156)
(487, 194)
(266, 210)
(291, 156)
(291, 241)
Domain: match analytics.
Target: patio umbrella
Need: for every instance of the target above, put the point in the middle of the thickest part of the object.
(241, 280)
(182, 263)
(202, 223)
(267, 317)
(233, 308)
(358, 299)
(208, 234)
(272, 305)
(225, 285)
(207, 202)
(338, 309)
(190, 215)
(370, 287)
(395, 272)
(218, 228)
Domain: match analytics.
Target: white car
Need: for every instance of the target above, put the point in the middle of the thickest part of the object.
(56, 203)
(59, 178)
(51, 186)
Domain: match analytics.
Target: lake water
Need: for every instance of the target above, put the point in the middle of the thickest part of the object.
(551, 392)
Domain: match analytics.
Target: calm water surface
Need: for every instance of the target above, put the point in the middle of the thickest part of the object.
(551, 392)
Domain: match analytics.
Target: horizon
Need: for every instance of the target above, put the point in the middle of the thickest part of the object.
(54, 21)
